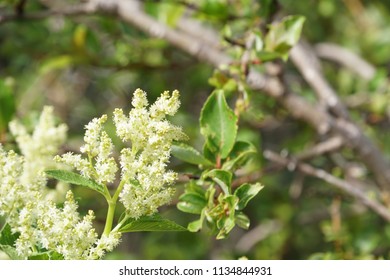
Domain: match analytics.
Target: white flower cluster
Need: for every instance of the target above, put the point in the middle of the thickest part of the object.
(144, 182)
(144, 164)
(25, 204)
(100, 165)
(43, 225)
(38, 150)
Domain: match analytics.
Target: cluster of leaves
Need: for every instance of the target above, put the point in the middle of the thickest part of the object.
(212, 195)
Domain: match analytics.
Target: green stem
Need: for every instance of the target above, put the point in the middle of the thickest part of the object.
(111, 209)
(118, 226)
(110, 217)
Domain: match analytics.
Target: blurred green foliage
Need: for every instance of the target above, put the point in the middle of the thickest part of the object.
(87, 65)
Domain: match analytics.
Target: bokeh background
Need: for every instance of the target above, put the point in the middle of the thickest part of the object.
(87, 65)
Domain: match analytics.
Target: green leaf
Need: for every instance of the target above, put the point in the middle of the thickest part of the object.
(215, 9)
(170, 13)
(188, 154)
(150, 223)
(240, 153)
(192, 203)
(222, 177)
(218, 124)
(242, 220)
(282, 36)
(259, 44)
(246, 192)
(210, 152)
(7, 237)
(46, 256)
(226, 225)
(193, 200)
(58, 63)
(11, 252)
(265, 56)
(76, 179)
(195, 225)
(7, 241)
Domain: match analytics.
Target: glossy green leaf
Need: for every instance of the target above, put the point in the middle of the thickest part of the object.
(242, 220)
(240, 153)
(193, 200)
(150, 223)
(218, 124)
(222, 177)
(246, 192)
(282, 36)
(195, 225)
(226, 225)
(259, 44)
(188, 154)
(77, 179)
(192, 203)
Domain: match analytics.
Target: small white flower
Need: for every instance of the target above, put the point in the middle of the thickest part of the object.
(92, 136)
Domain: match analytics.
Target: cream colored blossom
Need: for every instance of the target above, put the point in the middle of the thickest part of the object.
(39, 148)
(92, 136)
(24, 197)
(144, 177)
(144, 165)
(98, 165)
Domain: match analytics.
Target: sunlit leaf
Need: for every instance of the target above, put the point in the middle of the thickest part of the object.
(242, 220)
(77, 179)
(282, 36)
(192, 203)
(188, 154)
(222, 177)
(246, 192)
(218, 123)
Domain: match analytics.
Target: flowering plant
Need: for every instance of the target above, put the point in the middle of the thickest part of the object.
(36, 228)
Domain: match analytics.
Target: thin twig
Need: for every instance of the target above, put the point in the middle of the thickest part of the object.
(129, 11)
(330, 145)
(260, 232)
(310, 71)
(343, 185)
(345, 58)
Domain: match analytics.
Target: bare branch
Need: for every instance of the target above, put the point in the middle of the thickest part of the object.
(351, 133)
(260, 232)
(130, 12)
(344, 186)
(330, 145)
(314, 77)
(345, 58)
